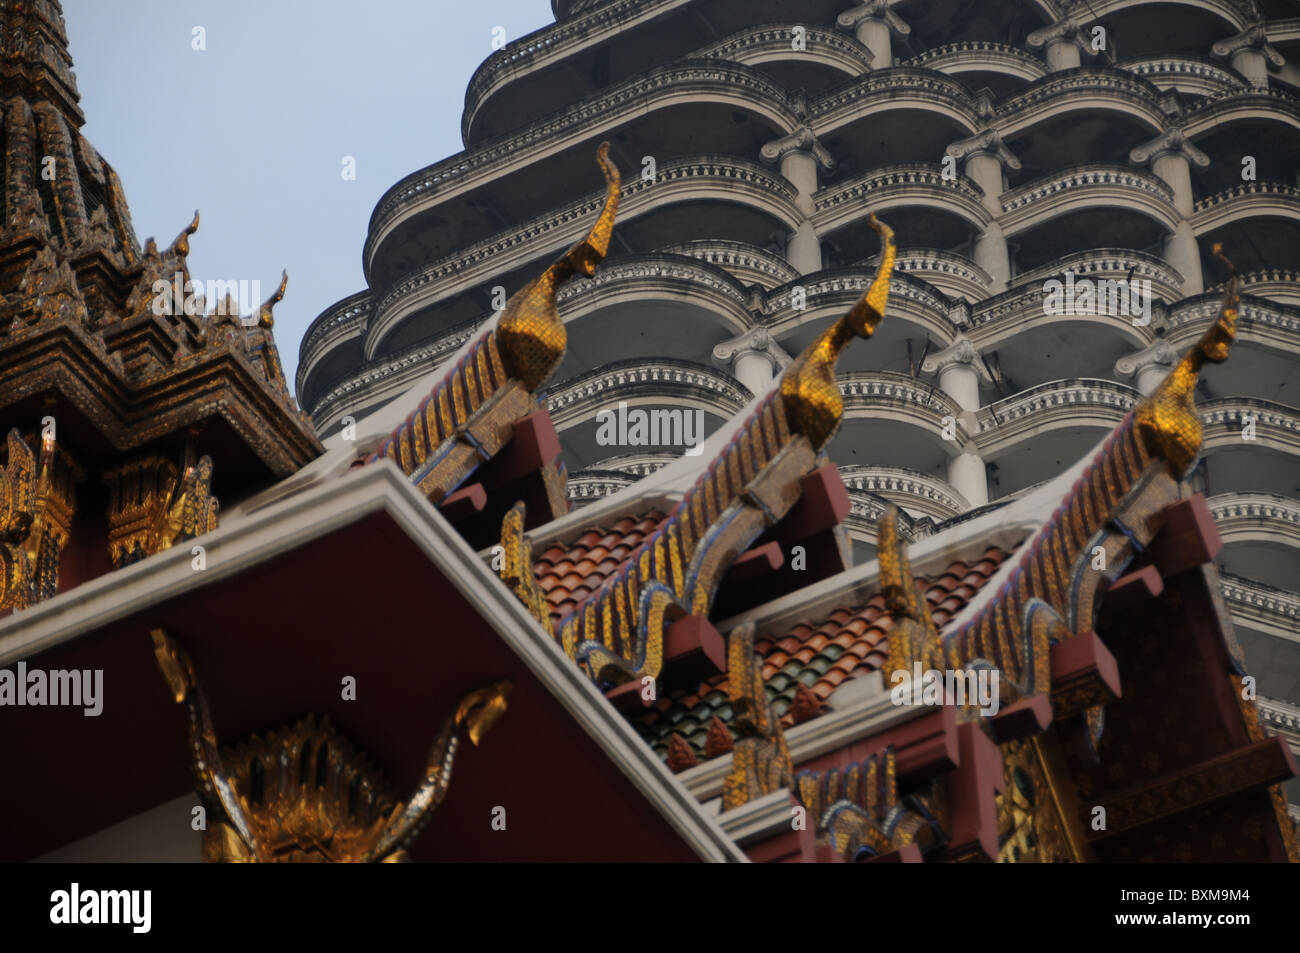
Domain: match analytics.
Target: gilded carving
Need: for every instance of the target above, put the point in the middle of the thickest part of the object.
(37, 501)
(153, 503)
(304, 793)
(760, 758)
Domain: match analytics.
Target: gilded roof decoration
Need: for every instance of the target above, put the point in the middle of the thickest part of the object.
(330, 805)
(617, 633)
(469, 415)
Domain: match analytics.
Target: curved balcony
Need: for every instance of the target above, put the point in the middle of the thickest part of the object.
(685, 281)
(1261, 607)
(954, 275)
(919, 90)
(1087, 188)
(884, 395)
(1110, 264)
(588, 485)
(910, 489)
(1277, 427)
(1234, 13)
(1191, 75)
(1054, 406)
(341, 322)
(383, 380)
(635, 464)
(591, 120)
(1245, 201)
(696, 386)
(1257, 518)
(867, 509)
(980, 56)
(1002, 320)
(911, 185)
(1260, 322)
(1253, 104)
(829, 294)
(772, 43)
(1281, 285)
(748, 264)
(1086, 89)
(582, 25)
(706, 178)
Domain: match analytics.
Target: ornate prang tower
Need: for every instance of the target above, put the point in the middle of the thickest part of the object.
(122, 404)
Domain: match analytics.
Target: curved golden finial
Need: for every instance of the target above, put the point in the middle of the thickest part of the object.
(1167, 418)
(182, 244)
(481, 709)
(808, 387)
(264, 317)
(530, 334)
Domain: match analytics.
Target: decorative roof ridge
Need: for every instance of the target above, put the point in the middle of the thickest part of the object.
(752, 479)
(468, 414)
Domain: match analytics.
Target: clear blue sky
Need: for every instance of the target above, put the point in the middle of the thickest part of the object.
(252, 131)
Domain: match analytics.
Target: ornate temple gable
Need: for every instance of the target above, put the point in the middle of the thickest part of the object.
(108, 351)
(1036, 632)
(488, 398)
(1116, 507)
(617, 635)
(329, 804)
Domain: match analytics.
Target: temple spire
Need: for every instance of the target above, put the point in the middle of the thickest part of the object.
(35, 64)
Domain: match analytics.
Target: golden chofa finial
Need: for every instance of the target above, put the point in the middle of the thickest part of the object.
(182, 244)
(530, 334)
(264, 316)
(1167, 419)
(808, 388)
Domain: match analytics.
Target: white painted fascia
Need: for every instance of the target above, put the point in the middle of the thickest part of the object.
(282, 527)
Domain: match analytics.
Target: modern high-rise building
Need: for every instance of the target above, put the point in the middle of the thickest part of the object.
(1057, 174)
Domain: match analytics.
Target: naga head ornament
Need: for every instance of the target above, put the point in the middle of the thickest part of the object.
(808, 388)
(1167, 419)
(530, 333)
(304, 793)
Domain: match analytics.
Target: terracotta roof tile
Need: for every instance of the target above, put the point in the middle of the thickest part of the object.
(569, 573)
(820, 654)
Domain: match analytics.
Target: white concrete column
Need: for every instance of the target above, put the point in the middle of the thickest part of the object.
(799, 155)
(985, 161)
(1062, 44)
(1250, 53)
(969, 477)
(804, 249)
(1147, 367)
(753, 358)
(1183, 254)
(754, 369)
(800, 170)
(1174, 168)
(875, 25)
(1171, 156)
(1251, 64)
(960, 371)
(991, 254)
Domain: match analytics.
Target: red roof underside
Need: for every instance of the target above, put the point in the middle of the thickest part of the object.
(274, 644)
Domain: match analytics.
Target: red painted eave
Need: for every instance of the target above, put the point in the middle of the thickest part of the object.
(273, 642)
